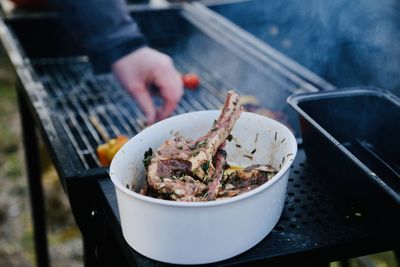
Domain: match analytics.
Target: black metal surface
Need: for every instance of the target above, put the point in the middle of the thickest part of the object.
(76, 95)
(355, 130)
(34, 179)
(71, 93)
(315, 226)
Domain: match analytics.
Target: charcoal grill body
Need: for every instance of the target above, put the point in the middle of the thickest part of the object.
(58, 92)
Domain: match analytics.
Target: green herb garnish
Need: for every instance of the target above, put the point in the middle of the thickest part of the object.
(205, 166)
(148, 155)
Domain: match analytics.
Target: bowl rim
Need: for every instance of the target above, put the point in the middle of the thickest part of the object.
(224, 201)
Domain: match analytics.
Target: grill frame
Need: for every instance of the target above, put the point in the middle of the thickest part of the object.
(29, 60)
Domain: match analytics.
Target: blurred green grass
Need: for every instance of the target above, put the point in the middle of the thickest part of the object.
(16, 235)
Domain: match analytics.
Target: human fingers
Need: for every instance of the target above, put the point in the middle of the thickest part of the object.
(142, 96)
(169, 82)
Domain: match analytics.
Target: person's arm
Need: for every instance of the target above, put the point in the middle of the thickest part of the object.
(112, 39)
(103, 28)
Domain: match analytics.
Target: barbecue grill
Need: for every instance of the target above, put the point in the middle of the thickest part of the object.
(60, 92)
(74, 93)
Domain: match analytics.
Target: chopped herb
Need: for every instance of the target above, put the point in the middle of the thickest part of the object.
(205, 166)
(254, 151)
(275, 135)
(195, 153)
(229, 138)
(283, 160)
(147, 157)
(213, 129)
(235, 103)
(247, 156)
(198, 144)
(283, 140)
(180, 147)
(191, 147)
(239, 146)
(255, 140)
(201, 143)
(127, 186)
(214, 123)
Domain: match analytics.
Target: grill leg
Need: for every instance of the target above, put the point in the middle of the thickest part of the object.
(34, 182)
(82, 196)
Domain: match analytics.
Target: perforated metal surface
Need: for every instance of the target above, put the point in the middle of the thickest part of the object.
(309, 203)
(313, 220)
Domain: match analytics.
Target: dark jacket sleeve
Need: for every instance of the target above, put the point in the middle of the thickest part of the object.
(103, 28)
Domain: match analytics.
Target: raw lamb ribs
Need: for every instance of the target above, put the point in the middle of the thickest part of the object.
(192, 170)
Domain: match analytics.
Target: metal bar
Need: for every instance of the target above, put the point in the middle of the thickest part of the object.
(194, 101)
(76, 110)
(75, 101)
(110, 106)
(273, 54)
(137, 127)
(207, 99)
(74, 122)
(186, 105)
(211, 77)
(197, 99)
(226, 36)
(137, 113)
(252, 56)
(34, 182)
(100, 109)
(64, 120)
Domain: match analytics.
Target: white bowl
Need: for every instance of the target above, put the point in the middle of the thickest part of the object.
(203, 232)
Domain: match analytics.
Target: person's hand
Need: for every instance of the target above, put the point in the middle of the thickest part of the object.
(144, 67)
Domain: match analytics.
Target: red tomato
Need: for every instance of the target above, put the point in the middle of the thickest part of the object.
(190, 80)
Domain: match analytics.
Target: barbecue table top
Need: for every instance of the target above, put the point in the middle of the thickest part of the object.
(315, 226)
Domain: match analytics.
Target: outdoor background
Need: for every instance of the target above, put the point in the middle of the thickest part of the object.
(16, 244)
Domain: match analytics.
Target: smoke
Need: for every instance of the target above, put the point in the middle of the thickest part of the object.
(349, 43)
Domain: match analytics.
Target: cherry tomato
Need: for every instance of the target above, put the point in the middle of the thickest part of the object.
(190, 80)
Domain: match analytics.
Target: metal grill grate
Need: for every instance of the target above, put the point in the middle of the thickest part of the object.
(76, 95)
